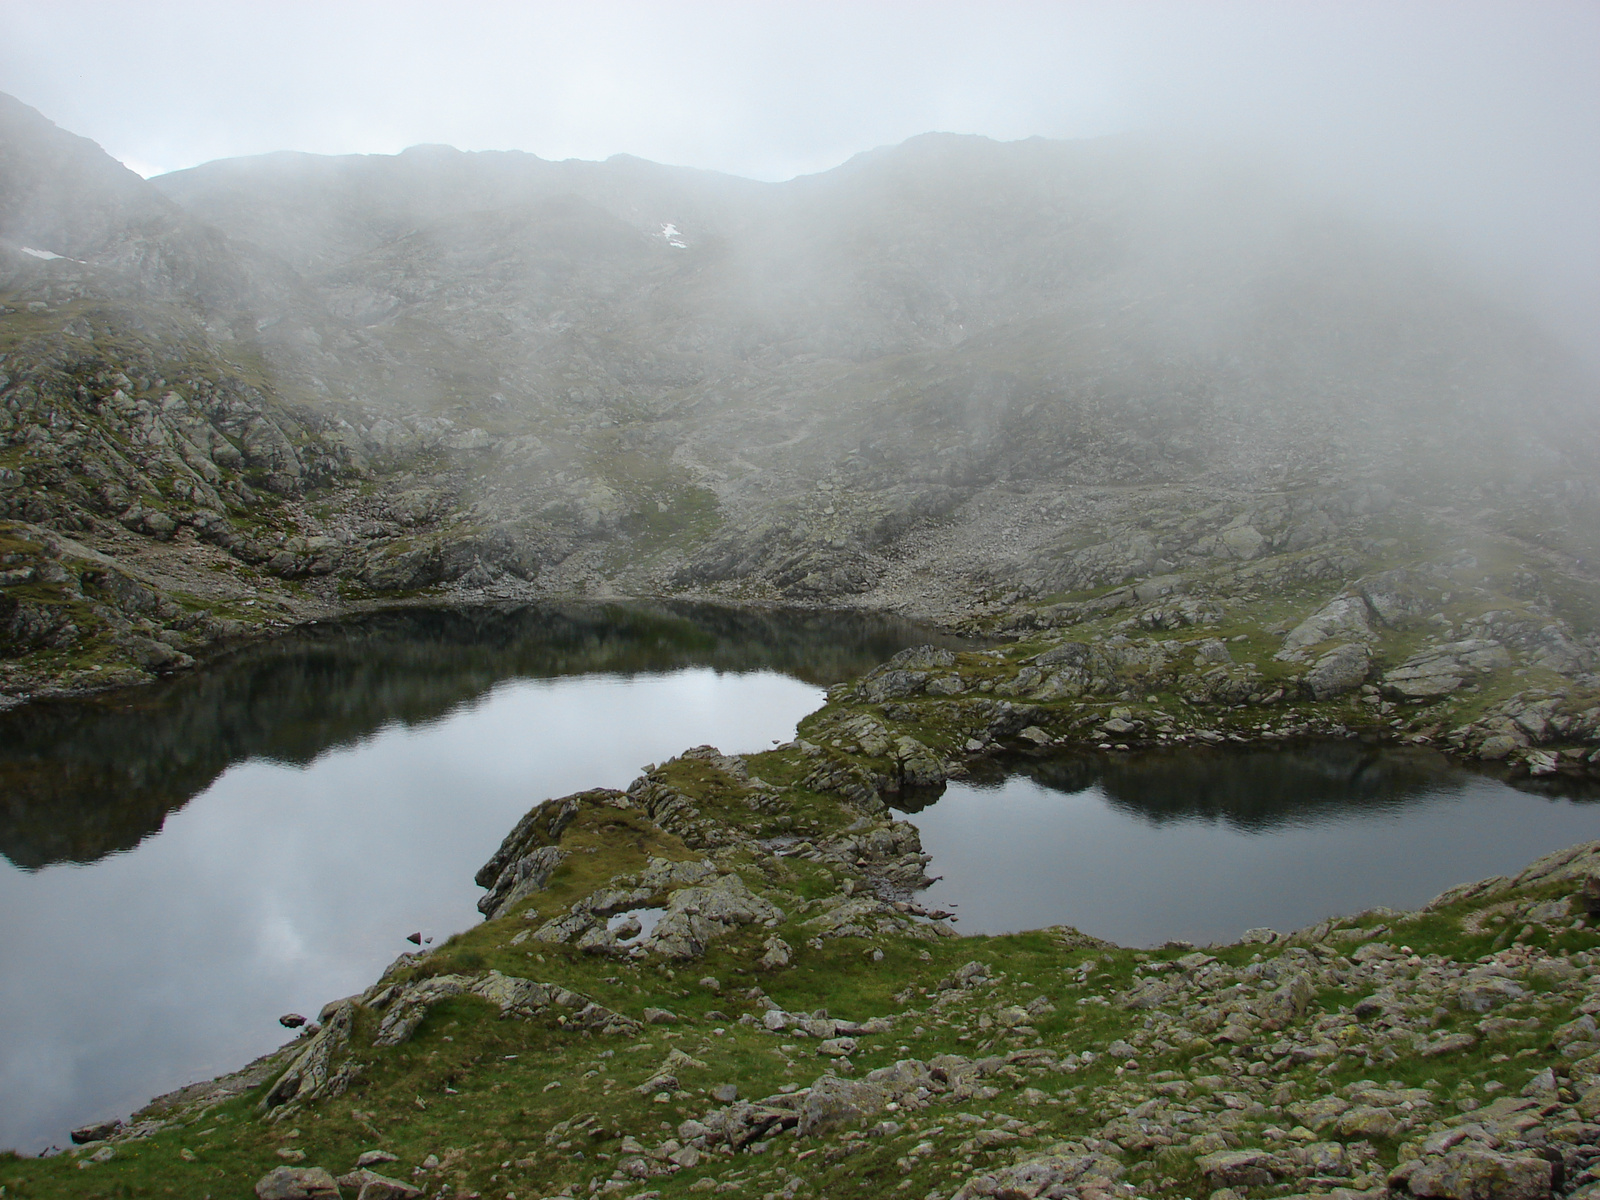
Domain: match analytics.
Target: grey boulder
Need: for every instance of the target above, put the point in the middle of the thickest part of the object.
(297, 1183)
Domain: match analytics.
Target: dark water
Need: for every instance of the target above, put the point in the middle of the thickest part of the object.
(188, 862)
(185, 863)
(1202, 844)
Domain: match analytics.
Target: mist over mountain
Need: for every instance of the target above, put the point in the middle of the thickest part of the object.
(951, 377)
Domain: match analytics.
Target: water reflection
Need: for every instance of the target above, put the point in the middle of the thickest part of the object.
(80, 780)
(319, 798)
(1203, 844)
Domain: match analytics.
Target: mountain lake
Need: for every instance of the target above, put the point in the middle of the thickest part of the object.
(186, 862)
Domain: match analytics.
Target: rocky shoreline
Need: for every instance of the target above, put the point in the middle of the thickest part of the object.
(1435, 652)
(720, 980)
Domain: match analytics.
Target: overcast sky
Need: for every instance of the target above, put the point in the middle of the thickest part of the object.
(1478, 121)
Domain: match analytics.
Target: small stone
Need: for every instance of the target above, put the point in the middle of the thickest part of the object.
(688, 1158)
(778, 954)
(1450, 1043)
(291, 1020)
(1368, 1121)
(1543, 1085)
(291, 1154)
(371, 1158)
(841, 1047)
(660, 1016)
(725, 1093)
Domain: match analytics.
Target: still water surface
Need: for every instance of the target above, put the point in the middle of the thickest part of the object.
(1202, 844)
(186, 863)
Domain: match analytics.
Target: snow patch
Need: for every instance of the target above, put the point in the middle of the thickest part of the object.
(672, 235)
(40, 253)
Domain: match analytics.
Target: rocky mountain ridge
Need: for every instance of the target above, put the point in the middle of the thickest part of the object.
(955, 378)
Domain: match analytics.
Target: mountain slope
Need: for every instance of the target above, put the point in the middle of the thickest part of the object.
(956, 377)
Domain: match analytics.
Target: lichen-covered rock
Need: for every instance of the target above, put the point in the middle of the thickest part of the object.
(1287, 1002)
(916, 765)
(868, 916)
(1484, 993)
